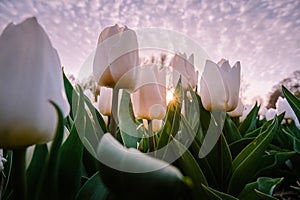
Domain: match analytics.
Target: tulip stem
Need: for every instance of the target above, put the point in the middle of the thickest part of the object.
(186, 102)
(220, 151)
(19, 174)
(114, 112)
(151, 137)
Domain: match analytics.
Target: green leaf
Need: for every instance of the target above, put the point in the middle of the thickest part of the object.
(293, 101)
(249, 124)
(246, 162)
(264, 186)
(215, 194)
(123, 170)
(93, 189)
(129, 130)
(189, 167)
(195, 149)
(172, 120)
(231, 132)
(295, 140)
(48, 183)
(68, 90)
(237, 146)
(70, 166)
(36, 167)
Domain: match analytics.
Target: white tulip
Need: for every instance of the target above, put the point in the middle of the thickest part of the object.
(270, 114)
(149, 100)
(219, 86)
(238, 111)
(184, 68)
(105, 101)
(116, 54)
(282, 105)
(30, 77)
(156, 124)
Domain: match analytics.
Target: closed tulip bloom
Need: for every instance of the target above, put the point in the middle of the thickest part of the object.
(184, 67)
(156, 124)
(282, 105)
(116, 54)
(270, 114)
(30, 77)
(238, 111)
(219, 86)
(149, 100)
(105, 101)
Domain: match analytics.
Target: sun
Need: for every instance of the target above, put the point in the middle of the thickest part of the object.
(170, 95)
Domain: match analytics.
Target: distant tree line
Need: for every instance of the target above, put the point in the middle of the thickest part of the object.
(292, 83)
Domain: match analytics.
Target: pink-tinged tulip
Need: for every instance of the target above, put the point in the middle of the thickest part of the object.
(105, 101)
(30, 77)
(149, 101)
(238, 111)
(282, 105)
(156, 124)
(270, 114)
(184, 67)
(116, 54)
(219, 86)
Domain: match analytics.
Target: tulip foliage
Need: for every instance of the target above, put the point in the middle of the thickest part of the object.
(202, 152)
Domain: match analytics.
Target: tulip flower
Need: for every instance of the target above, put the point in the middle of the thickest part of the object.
(149, 101)
(238, 111)
(156, 124)
(105, 101)
(2, 160)
(30, 77)
(282, 105)
(219, 86)
(116, 54)
(185, 68)
(270, 114)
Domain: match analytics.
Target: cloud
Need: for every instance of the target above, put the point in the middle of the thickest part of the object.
(263, 35)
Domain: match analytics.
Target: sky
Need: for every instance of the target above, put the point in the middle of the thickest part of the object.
(264, 35)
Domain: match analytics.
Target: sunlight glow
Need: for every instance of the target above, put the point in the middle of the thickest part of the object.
(170, 95)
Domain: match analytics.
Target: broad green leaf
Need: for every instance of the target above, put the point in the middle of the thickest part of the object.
(69, 91)
(93, 189)
(264, 186)
(48, 183)
(194, 149)
(264, 196)
(194, 111)
(129, 130)
(230, 130)
(220, 160)
(295, 140)
(293, 101)
(35, 168)
(215, 194)
(237, 146)
(189, 167)
(131, 174)
(70, 166)
(246, 162)
(249, 124)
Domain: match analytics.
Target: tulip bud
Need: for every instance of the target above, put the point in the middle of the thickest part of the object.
(185, 68)
(156, 124)
(149, 101)
(238, 111)
(282, 105)
(30, 77)
(116, 54)
(105, 101)
(219, 86)
(270, 114)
